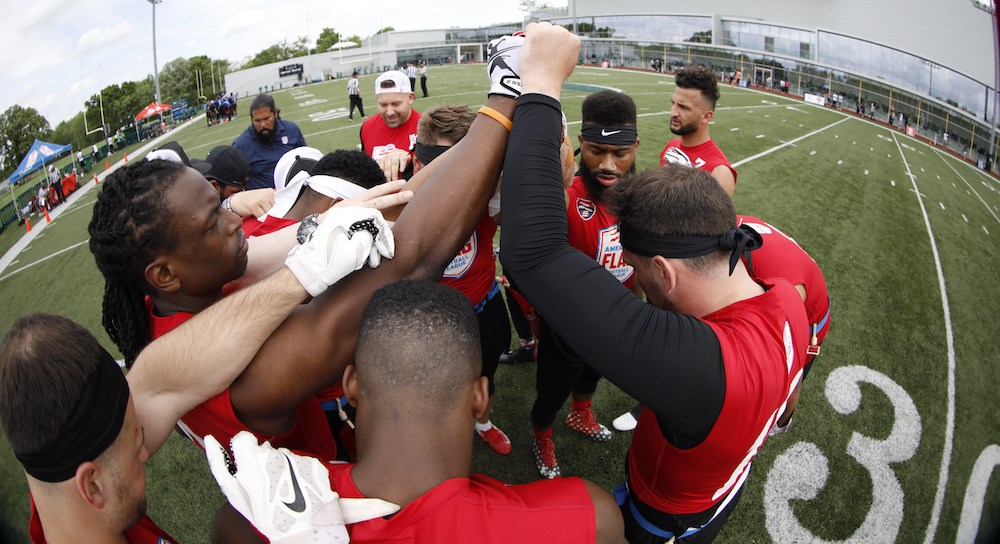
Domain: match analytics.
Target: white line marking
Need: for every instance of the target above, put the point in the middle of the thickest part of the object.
(759, 136)
(893, 182)
(734, 129)
(866, 172)
(949, 430)
(839, 163)
(986, 231)
(871, 149)
(835, 136)
(43, 259)
(942, 205)
(737, 164)
(921, 170)
(966, 218)
(813, 152)
(969, 185)
(975, 494)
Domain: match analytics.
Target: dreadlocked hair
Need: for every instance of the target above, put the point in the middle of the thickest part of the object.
(130, 224)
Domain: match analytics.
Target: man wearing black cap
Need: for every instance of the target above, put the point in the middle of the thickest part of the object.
(83, 431)
(226, 168)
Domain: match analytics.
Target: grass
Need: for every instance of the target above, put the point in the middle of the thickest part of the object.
(843, 191)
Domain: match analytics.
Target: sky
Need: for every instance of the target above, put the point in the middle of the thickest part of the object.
(58, 53)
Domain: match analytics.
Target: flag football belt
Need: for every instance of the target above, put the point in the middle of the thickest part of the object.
(622, 496)
(494, 291)
(814, 329)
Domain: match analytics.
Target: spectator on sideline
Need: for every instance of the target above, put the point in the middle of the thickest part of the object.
(266, 139)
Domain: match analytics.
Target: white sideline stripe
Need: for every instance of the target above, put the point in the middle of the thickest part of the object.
(973, 189)
(43, 259)
(767, 152)
(949, 431)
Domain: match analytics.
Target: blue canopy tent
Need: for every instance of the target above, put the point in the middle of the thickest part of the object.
(40, 153)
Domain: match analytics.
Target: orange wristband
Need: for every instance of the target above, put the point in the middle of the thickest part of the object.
(497, 116)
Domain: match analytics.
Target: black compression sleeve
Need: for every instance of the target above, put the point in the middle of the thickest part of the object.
(672, 363)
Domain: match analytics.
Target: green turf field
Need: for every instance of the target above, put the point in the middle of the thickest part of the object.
(892, 440)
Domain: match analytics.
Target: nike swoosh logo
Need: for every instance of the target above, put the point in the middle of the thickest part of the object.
(299, 504)
(604, 132)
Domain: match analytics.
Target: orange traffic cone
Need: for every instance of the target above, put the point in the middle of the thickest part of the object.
(107, 165)
(126, 158)
(47, 220)
(27, 222)
(96, 182)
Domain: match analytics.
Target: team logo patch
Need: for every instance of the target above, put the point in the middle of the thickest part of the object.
(284, 139)
(463, 261)
(609, 253)
(585, 208)
(674, 155)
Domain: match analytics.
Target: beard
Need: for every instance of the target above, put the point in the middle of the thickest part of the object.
(264, 135)
(594, 187)
(684, 129)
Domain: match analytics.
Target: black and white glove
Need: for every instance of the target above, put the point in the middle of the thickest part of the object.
(286, 496)
(502, 56)
(346, 239)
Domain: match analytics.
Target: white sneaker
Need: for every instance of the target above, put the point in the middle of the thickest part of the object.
(627, 421)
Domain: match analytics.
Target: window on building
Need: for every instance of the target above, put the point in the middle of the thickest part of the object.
(804, 50)
(769, 44)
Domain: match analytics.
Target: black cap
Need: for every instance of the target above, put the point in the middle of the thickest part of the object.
(225, 164)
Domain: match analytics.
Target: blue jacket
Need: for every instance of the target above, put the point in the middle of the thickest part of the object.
(263, 156)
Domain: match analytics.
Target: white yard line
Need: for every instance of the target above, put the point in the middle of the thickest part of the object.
(971, 188)
(767, 152)
(43, 259)
(949, 431)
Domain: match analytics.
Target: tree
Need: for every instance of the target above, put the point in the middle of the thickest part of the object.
(327, 37)
(530, 6)
(177, 81)
(386, 29)
(279, 52)
(19, 126)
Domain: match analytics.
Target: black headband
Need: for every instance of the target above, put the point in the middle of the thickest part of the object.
(427, 153)
(599, 134)
(93, 425)
(741, 240)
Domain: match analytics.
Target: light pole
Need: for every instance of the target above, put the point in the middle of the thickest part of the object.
(156, 70)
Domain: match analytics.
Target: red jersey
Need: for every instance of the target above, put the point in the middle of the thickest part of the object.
(594, 231)
(144, 532)
(706, 156)
(378, 139)
(782, 257)
(481, 509)
(310, 433)
(255, 227)
(473, 270)
(763, 341)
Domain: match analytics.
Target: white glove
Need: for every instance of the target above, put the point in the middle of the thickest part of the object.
(341, 244)
(502, 56)
(286, 496)
(674, 155)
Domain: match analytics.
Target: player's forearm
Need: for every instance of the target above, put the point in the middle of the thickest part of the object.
(202, 357)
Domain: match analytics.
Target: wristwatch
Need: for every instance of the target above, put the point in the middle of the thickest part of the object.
(306, 228)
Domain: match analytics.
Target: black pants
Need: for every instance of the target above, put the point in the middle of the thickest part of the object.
(494, 336)
(423, 85)
(356, 102)
(413, 84)
(635, 534)
(558, 373)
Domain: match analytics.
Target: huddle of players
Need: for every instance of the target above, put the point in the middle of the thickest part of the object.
(220, 107)
(169, 251)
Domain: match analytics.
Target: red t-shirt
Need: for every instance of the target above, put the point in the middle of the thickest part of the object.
(782, 257)
(310, 433)
(483, 510)
(473, 270)
(378, 139)
(763, 341)
(255, 227)
(706, 156)
(594, 231)
(144, 532)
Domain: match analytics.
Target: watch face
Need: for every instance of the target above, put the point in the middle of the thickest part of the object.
(306, 229)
